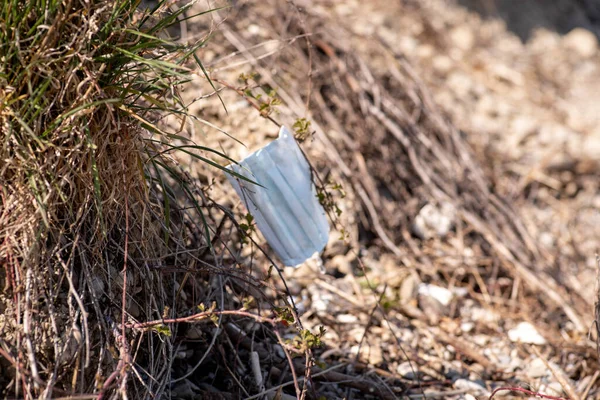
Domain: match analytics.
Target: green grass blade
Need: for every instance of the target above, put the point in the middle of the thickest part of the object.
(209, 80)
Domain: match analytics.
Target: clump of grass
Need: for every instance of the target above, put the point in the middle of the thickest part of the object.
(90, 200)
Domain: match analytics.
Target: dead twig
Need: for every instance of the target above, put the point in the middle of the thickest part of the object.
(559, 375)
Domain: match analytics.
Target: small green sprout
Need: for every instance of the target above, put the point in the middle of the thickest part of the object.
(247, 227)
(285, 315)
(162, 330)
(302, 129)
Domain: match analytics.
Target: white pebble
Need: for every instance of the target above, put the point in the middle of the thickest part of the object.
(472, 387)
(443, 295)
(526, 333)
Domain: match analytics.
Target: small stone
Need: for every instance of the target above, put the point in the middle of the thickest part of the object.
(347, 319)
(521, 127)
(321, 300)
(480, 340)
(433, 301)
(133, 309)
(184, 354)
(537, 368)
(407, 44)
(434, 220)
(483, 315)
(279, 351)
(194, 332)
(300, 302)
(254, 29)
(406, 370)
(442, 295)
(552, 389)
(371, 354)
(546, 239)
(582, 41)
(504, 360)
(524, 332)
(467, 327)
(341, 263)
(462, 37)
(449, 353)
(470, 386)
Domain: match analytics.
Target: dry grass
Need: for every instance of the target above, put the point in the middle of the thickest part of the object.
(92, 204)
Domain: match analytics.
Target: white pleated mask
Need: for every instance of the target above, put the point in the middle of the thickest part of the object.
(285, 208)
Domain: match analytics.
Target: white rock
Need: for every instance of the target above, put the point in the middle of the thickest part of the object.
(521, 127)
(537, 368)
(460, 291)
(581, 41)
(480, 340)
(470, 386)
(552, 389)
(443, 295)
(347, 318)
(408, 44)
(254, 29)
(479, 314)
(321, 300)
(406, 370)
(300, 304)
(340, 262)
(371, 354)
(462, 37)
(434, 220)
(546, 239)
(504, 360)
(524, 332)
(467, 327)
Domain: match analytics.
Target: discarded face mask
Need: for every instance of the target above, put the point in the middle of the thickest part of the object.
(285, 205)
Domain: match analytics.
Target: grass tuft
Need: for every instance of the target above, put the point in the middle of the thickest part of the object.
(90, 199)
